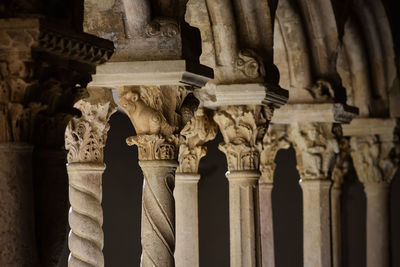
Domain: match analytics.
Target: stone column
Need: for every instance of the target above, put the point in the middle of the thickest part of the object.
(200, 129)
(274, 140)
(154, 112)
(316, 149)
(243, 128)
(85, 138)
(340, 169)
(375, 159)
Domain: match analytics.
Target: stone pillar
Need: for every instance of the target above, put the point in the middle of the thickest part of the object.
(17, 219)
(340, 169)
(375, 159)
(243, 128)
(316, 149)
(200, 129)
(154, 112)
(274, 140)
(85, 138)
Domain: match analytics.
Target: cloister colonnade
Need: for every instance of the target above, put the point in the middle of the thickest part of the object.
(314, 74)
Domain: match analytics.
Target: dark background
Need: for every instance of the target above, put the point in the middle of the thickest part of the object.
(122, 187)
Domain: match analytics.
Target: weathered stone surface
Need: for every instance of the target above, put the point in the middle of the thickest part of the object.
(17, 218)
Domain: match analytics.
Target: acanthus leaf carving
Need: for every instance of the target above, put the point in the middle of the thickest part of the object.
(375, 157)
(316, 149)
(200, 129)
(243, 128)
(155, 146)
(85, 137)
(274, 140)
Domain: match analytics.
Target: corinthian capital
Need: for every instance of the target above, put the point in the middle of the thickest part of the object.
(200, 129)
(154, 112)
(375, 158)
(274, 140)
(85, 137)
(243, 129)
(316, 149)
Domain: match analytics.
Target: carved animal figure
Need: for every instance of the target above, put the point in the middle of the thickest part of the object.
(146, 120)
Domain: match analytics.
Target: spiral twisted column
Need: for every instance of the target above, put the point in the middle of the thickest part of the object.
(86, 238)
(85, 138)
(158, 213)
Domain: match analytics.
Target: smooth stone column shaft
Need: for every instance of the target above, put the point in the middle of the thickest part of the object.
(336, 226)
(17, 227)
(377, 224)
(316, 222)
(86, 238)
(266, 225)
(158, 213)
(187, 219)
(243, 215)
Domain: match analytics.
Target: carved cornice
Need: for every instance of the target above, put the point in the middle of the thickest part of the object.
(375, 158)
(243, 129)
(85, 137)
(45, 36)
(275, 139)
(316, 149)
(154, 112)
(200, 129)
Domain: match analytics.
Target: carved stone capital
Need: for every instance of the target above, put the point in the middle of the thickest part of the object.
(155, 113)
(85, 137)
(274, 140)
(316, 149)
(200, 129)
(243, 129)
(375, 158)
(342, 162)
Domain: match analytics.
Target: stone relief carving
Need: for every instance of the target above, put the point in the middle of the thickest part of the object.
(274, 140)
(153, 111)
(316, 149)
(200, 129)
(85, 137)
(343, 159)
(243, 128)
(250, 64)
(162, 27)
(375, 158)
(322, 91)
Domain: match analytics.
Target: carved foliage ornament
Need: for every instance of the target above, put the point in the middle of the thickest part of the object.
(316, 148)
(85, 137)
(243, 128)
(274, 140)
(376, 160)
(200, 129)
